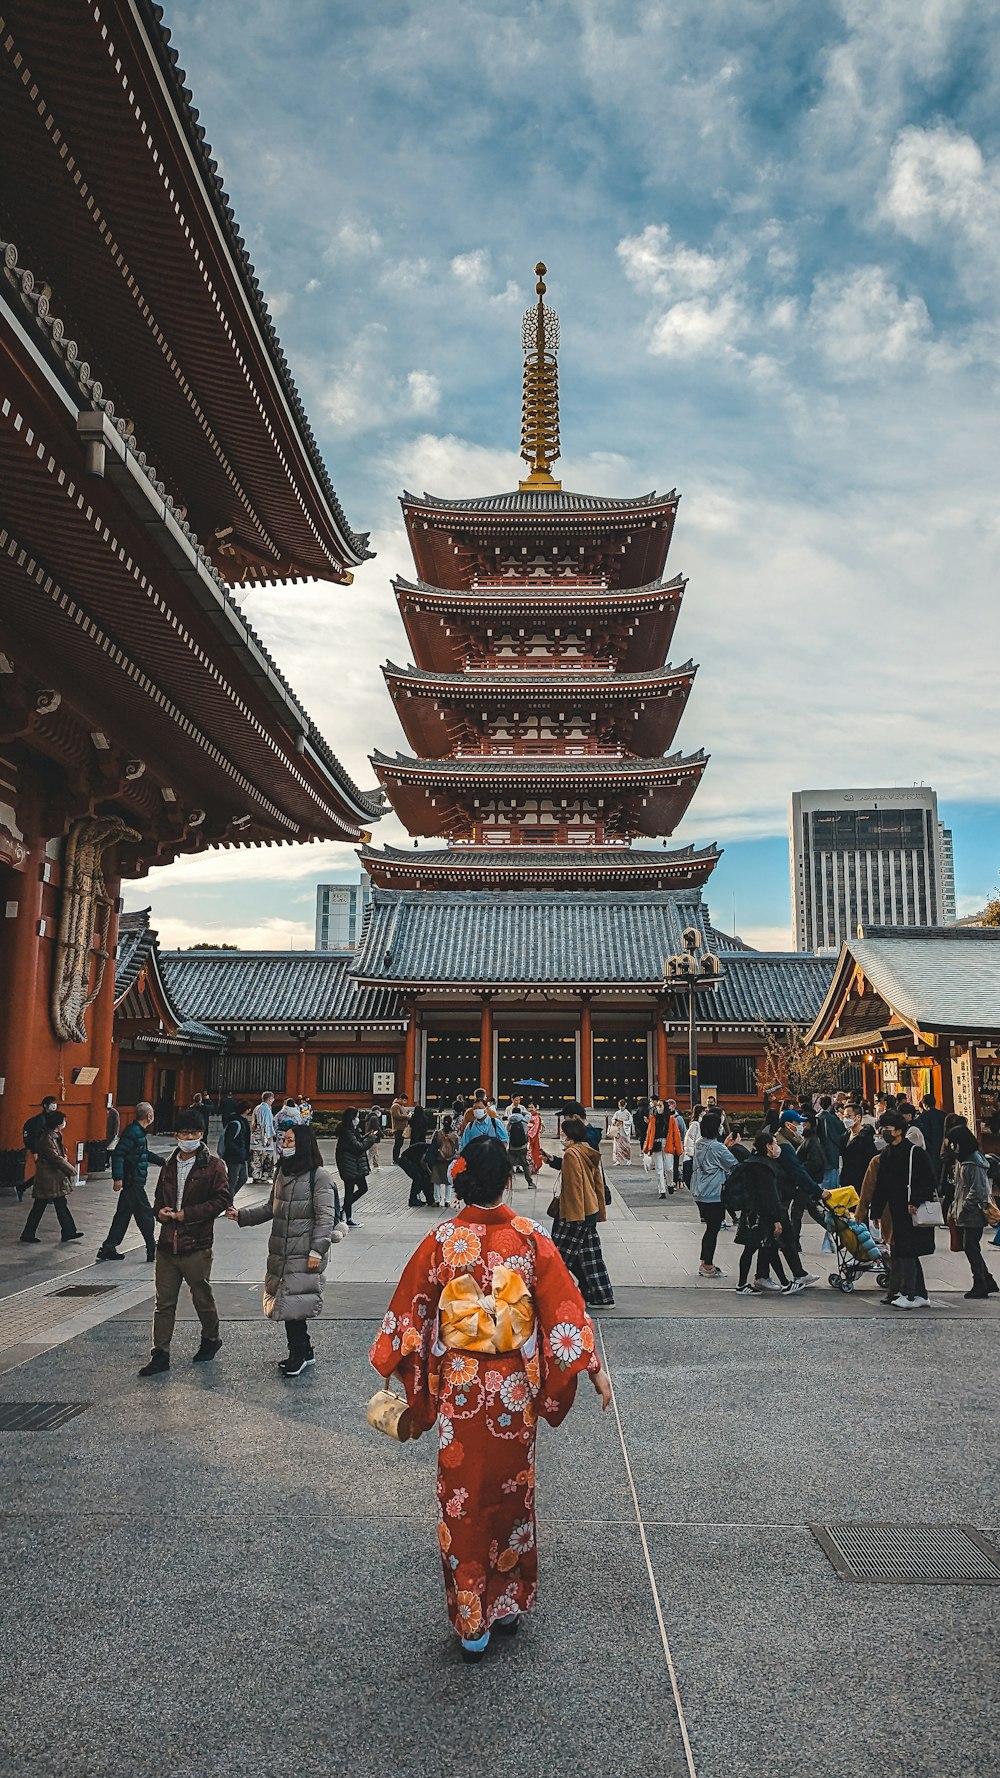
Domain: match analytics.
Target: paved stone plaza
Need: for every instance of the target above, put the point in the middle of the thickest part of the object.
(220, 1573)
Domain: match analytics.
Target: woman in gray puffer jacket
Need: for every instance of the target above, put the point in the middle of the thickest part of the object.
(969, 1206)
(301, 1209)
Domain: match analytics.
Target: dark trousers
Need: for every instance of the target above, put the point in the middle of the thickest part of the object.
(971, 1247)
(38, 1209)
(239, 1173)
(765, 1244)
(353, 1190)
(414, 1166)
(790, 1251)
(299, 1343)
(132, 1202)
(906, 1276)
(520, 1163)
(712, 1216)
(398, 1139)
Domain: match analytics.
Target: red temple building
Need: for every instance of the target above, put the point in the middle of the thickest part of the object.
(153, 452)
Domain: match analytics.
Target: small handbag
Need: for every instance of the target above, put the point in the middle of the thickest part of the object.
(553, 1209)
(991, 1213)
(387, 1412)
(929, 1214)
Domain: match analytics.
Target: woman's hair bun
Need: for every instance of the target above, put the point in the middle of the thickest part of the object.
(485, 1173)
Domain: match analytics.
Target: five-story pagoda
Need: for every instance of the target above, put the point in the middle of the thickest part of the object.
(540, 708)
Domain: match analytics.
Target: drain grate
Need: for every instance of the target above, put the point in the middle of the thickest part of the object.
(83, 1290)
(38, 1416)
(896, 1554)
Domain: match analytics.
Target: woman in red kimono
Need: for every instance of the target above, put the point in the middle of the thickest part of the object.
(486, 1332)
(535, 1138)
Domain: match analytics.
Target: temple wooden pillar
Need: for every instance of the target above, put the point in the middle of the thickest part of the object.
(586, 1056)
(102, 1015)
(410, 1059)
(24, 988)
(486, 1045)
(662, 1060)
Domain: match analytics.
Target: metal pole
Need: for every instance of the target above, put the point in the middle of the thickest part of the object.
(692, 1048)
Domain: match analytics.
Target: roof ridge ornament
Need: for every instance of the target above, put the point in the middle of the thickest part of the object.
(540, 402)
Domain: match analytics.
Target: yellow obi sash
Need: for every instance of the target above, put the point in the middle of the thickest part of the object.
(472, 1322)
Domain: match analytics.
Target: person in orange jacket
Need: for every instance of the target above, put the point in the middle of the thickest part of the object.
(662, 1138)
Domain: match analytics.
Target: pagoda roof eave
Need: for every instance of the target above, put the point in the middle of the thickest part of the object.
(541, 867)
(534, 503)
(539, 596)
(490, 769)
(525, 685)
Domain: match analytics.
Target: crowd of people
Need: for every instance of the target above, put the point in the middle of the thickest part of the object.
(489, 1327)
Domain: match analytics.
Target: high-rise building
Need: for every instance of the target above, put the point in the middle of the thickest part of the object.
(340, 913)
(949, 908)
(871, 857)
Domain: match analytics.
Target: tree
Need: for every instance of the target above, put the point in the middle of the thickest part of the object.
(213, 947)
(793, 1064)
(990, 915)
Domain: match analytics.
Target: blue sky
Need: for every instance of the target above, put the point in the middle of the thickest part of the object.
(773, 233)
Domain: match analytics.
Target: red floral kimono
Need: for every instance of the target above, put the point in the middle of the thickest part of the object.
(535, 1142)
(486, 1402)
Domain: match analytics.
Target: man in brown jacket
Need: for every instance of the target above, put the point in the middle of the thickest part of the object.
(193, 1190)
(399, 1113)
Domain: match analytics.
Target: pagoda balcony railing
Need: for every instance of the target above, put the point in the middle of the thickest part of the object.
(534, 838)
(540, 750)
(518, 664)
(533, 583)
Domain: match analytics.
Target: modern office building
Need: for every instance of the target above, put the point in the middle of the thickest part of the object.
(949, 908)
(340, 913)
(865, 857)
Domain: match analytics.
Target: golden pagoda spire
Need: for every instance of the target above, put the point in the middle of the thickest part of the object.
(540, 404)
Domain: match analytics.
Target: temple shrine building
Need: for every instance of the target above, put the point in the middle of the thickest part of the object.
(154, 454)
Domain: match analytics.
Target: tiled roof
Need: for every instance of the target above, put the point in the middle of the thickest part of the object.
(542, 857)
(138, 949)
(234, 989)
(531, 500)
(935, 978)
(503, 767)
(136, 940)
(442, 937)
(765, 989)
(523, 682)
(543, 592)
(158, 35)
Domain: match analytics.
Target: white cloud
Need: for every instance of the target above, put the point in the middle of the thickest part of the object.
(424, 392)
(353, 240)
(311, 285)
(704, 312)
(404, 274)
(472, 268)
(860, 320)
(942, 192)
(269, 934)
(763, 938)
(687, 328)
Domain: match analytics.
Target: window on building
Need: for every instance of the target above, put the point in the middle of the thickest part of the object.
(248, 1074)
(729, 1074)
(353, 1071)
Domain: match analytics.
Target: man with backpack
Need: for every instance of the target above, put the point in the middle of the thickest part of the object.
(832, 1132)
(517, 1134)
(751, 1196)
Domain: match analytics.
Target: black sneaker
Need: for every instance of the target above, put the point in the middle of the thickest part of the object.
(29, 1240)
(108, 1253)
(206, 1351)
(293, 1367)
(158, 1362)
(77, 1235)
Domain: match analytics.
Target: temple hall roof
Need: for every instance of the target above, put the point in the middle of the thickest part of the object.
(276, 990)
(441, 939)
(933, 978)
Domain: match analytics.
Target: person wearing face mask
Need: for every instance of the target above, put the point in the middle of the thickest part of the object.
(482, 1123)
(302, 1212)
(904, 1181)
(192, 1191)
(859, 1150)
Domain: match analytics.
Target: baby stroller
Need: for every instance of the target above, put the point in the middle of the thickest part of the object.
(856, 1249)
